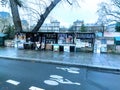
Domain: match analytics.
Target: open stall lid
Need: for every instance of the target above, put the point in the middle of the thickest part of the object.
(117, 40)
(3, 35)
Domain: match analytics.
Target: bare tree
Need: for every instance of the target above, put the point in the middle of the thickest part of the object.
(15, 14)
(109, 11)
(14, 4)
(45, 14)
(42, 16)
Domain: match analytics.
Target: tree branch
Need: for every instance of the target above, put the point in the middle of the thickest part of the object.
(69, 2)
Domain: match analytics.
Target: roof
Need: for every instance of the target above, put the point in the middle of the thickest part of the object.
(2, 35)
(78, 21)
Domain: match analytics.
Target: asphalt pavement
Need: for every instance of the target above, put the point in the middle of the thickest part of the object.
(102, 61)
(20, 75)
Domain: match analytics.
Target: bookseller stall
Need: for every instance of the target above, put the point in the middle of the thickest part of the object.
(75, 42)
(42, 41)
(66, 42)
(84, 41)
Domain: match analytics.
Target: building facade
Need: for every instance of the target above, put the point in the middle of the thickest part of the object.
(53, 26)
(77, 25)
(5, 20)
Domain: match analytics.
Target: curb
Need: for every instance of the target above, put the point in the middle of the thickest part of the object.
(91, 67)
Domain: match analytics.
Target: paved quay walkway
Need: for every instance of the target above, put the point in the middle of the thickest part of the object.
(89, 60)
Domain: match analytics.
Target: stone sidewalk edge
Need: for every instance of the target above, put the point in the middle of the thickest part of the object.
(93, 67)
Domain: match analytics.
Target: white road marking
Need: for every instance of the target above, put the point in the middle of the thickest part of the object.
(13, 82)
(51, 82)
(56, 80)
(56, 76)
(35, 88)
(73, 70)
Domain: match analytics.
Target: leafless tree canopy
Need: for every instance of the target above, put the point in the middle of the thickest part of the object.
(37, 9)
(109, 11)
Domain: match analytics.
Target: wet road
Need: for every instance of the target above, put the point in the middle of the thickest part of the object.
(19, 75)
(101, 61)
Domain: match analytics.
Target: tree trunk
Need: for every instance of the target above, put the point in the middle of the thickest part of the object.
(46, 13)
(15, 15)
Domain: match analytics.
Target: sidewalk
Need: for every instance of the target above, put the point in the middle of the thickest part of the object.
(89, 60)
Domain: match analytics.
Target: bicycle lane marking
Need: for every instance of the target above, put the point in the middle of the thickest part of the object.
(35, 88)
(13, 82)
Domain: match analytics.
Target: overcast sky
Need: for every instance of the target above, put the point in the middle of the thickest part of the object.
(67, 14)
